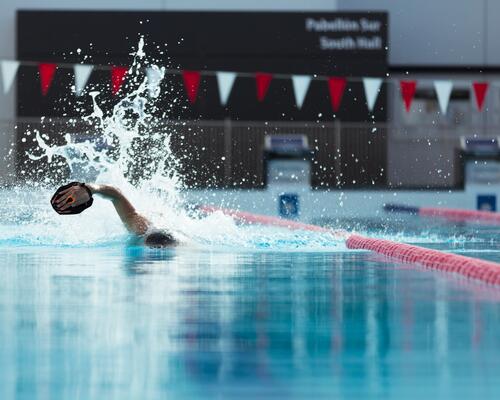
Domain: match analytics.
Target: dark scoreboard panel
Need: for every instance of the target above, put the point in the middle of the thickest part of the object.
(333, 44)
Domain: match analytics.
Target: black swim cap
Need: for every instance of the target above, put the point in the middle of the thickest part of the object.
(159, 238)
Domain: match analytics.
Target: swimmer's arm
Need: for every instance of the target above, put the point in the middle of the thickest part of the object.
(133, 221)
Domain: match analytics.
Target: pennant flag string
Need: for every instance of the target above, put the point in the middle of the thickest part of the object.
(191, 84)
(46, 71)
(300, 87)
(9, 70)
(372, 89)
(408, 89)
(82, 74)
(117, 78)
(225, 81)
(336, 87)
(480, 89)
(263, 81)
(154, 76)
(443, 92)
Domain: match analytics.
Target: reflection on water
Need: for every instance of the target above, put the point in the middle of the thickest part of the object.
(134, 323)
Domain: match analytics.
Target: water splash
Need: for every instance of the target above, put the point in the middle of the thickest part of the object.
(131, 149)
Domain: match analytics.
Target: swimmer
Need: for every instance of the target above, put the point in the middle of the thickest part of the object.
(76, 197)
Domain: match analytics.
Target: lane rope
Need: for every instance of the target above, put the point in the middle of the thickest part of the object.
(451, 214)
(474, 268)
(486, 271)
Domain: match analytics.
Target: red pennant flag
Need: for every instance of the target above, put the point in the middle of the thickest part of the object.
(480, 89)
(117, 78)
(408, 89)
(191, 84)
(46, 72)
(336, 87)
(263, 81)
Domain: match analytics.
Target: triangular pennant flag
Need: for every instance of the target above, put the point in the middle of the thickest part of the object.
(82, 74)
(336, 87)
(408, 89)
(480, 89)
(155, 76)
(117, 78)
(263, 81)
(300, 88)
(9, 70)
(47, 72)
(225, 81)
(191, 84)
(372, 89)
(443, 91)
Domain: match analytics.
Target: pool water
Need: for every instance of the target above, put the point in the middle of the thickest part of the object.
(234, 312)
(114, 321)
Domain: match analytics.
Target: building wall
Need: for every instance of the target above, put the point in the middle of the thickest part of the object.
(439, 32)
(458, 33)
(8, 36)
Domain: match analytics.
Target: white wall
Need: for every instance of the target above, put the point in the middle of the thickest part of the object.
(439, 32)
(492, 11)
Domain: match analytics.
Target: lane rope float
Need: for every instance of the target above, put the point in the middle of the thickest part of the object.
(451, 214)
(486, 271)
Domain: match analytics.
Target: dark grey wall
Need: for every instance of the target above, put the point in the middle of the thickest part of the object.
(9, 8)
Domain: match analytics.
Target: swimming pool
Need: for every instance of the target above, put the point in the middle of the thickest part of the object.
(296, 317)
(235, 311)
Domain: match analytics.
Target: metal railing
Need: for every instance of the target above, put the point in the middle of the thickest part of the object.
(230, 154)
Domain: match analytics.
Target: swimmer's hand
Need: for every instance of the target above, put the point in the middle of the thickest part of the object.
(70, 198)
(76, 197)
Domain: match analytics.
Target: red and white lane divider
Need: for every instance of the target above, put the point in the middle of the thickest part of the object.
(251, 218)
(473, 268)
(451, 214)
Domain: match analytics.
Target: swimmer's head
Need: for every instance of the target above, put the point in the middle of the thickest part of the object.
(159, 239)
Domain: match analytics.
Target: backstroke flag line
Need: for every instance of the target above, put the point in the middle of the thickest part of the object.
(443, 91)
(9, 71)
(117, 78)
(372, 89)
(82, 74)
(225, 81)
(46, 71)
(191, 84)
(262, 81)
(336, 86)
(480, 90)
(300, 88)
(408, 89)
(154, 76)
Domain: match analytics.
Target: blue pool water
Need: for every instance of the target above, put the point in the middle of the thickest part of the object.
(107, 320)
(234, 312)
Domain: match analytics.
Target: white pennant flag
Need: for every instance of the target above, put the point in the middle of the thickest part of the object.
(155, 75)
(443, 91)
(82, 74)
(9, 70)
(225, 81)
(300, 88)
(372, 89)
